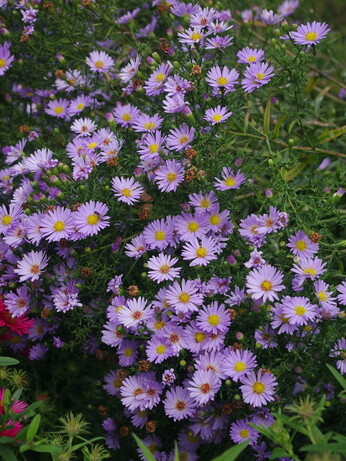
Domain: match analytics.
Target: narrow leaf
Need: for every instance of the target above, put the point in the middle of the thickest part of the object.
(278, 453)
(8, 361)
(144, 449)
(47, 449)
(232, 453)
(337, 376)
(331, 447)
(33, 428)
(277, 128)
(332, 134)
(176, 452)
(266, 119)
(7, 454)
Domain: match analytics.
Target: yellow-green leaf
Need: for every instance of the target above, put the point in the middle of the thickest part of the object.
(332, 134)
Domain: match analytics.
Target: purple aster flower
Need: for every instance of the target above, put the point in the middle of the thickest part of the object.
(189, 226)
(218, 43)
(280, 321)
(17, 303)
(168, 377)
(99, 61)
(342, 290)
(310, 268)
(136, 312)
(31, 266)
(129, 71)
(38, 351)
(57, 224)
(127, 190)
(270, 222)
(146, 123)
(192, 36)
(125, 114)
(83, 126)
(238, 363)
(241, 431)
(255, 260)
(248, 55)
(178, 403)
(127, 353)
(158, 234)
(270, 18)
(222, 79)
(301, 245)
(200, 252)
(151, 144)
(184, 9)
(180, 138)
(339, 351)
(133, 393)
(161, 268)
(256, 75)
(77, 105)
(298, 310)
(91, 217)
(258, 389)
(155, 84)
(236, 297)
(212, 361)
(288, 7)
(263, 417)
(127, 17)
(169, 175)
(217, 115)
(266, 337)
(6, 58)
(58, 108)
(176, 85)
(158, 350)
(311, 33)
(184, 296)
(264, 283)
(230, 180)
(203, 386)
(136, 248)
(213, 318)
(325, 299)
(9, 216)
(203, 17)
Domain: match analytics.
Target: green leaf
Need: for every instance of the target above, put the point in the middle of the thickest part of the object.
(332, 134)
(17, 394)
(232, 453)
(7, 454)
(291, 423)
(266, 119)
(8, 361)
(277, 128)
(278, 453)
(33, 428)
(337, 376)
(5, 439)
(145, 450)
(331, 447)
(176, 452)
(87, 442)
(47, 449)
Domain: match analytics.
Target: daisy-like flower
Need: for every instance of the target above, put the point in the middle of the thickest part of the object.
(155, 84)
(218, 43)
(31, 266)
(217, 115)
(310, 268)
(342, 290)
(6, 58)
(298, 310)
(213, 318)
(169, 175)
(128, 72)
(238, 363)
(41, 159)
(288, 7)
(77, 105)
(158, 349)
(83, 126)
(270, 18)
(125, 114)
(280, 321)
(191, 225)
(99, 61)
(57, 224)
(222, 79)
(264, 283)
(184, 296)
(203, 202)
(180, 138)
(301, 245)
(230, 180)
(203, 18)
(17, 303)
(145, 123)
(326, 299)
(9, 216)
(203, 386)
(136, 247)
(256, 75)
(178, 403)
(241, 431)
(162, 268)
(192, 36)
(200, 253)
(151, 144)
(135, 312)
(158, 234)
(91, 217)
(133, 392)
(212, 361)
(339, 351)
(127, 189)
(248, 55)
(311, 33)
(258, 389)
(58, 108)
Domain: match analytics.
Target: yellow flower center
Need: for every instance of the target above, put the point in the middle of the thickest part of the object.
(201, 252)
(159, 324)
(2, 63)
(59, 226)
(217, 117)
(160, 77)
(266, 285)
(205, 203)
(244, 433)
(164, 269)
(35, 269)
(301, 245)
(300, 310)
(222, 81)
(128, 352)
(193, 226)
(196, 36)
(307, 328)
(153, 148)
(310, 271)
(92, 145)
(260, 76)
(199, 337)
(5, 178)
(214, 219)
(92, 219)
(214, 320)
(58, 110)
(258, 387)
(183, 139)
(161, 349)
(322, 296)
(99, 64)
(251, 59)
(240, 366)
(6, 220)
(160, 235)
(184, 297)
(80, 106)
(126, 117)
(171, 177)
(149, 126)
(311, 36)
(126, 192)
(230, 182)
